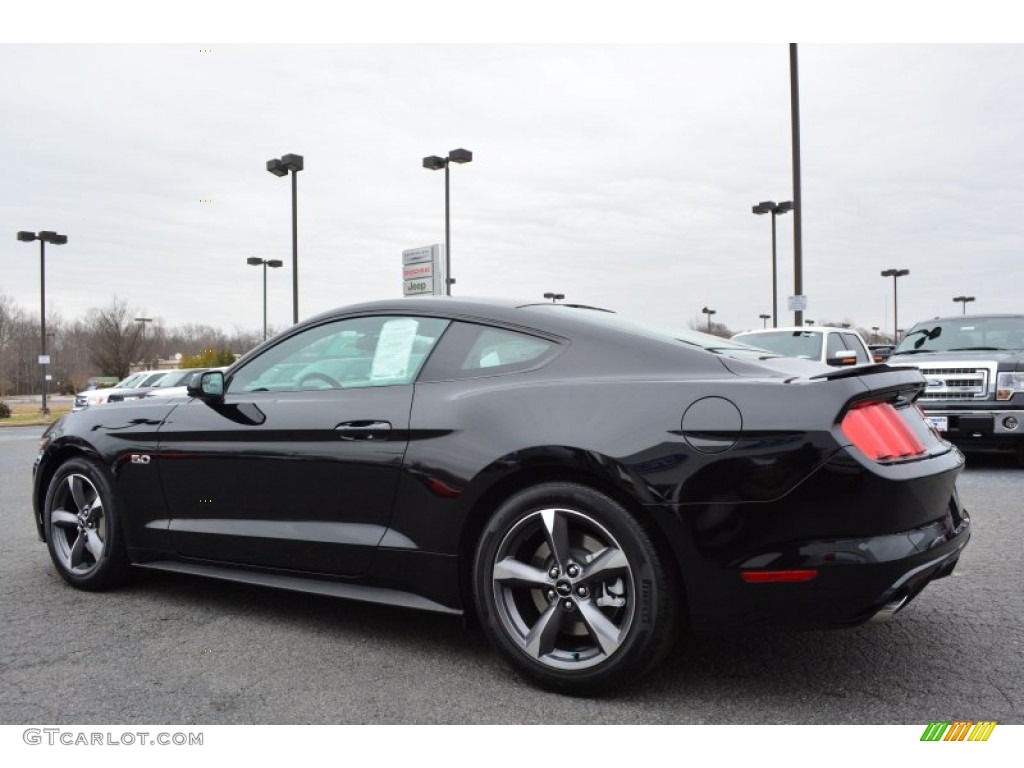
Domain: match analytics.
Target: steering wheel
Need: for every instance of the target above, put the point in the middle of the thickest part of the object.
(317, 376)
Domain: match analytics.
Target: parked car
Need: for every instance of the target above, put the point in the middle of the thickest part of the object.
(825, 344)
(582, 484)
(172, 382)
(974, 366)
(140, 388)
(93, 396)
(176, 385)
(881, 352)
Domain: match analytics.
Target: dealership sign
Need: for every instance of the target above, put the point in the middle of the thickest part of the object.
(423, 271)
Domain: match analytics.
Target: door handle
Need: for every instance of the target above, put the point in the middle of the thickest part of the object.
(361, 430)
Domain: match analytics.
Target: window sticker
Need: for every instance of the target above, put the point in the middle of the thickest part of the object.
(394, 349)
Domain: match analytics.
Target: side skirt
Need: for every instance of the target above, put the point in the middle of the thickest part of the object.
(359, 592)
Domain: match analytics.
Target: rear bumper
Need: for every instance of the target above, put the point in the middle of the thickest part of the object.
(864, 541)
(857, 580)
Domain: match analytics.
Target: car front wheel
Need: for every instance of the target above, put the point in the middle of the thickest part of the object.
(82, 530)
(571, 588)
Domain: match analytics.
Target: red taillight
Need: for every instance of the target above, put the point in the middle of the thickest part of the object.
(879, 431)
(773, 577)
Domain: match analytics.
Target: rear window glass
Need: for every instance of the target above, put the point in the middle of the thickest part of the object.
(469, 350)
(806, 344)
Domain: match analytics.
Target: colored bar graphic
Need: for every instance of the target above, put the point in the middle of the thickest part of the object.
(958, 730)
(982, 730)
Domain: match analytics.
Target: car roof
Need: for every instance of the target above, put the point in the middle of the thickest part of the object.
(959, 318)
(526, 312)
(795, 328)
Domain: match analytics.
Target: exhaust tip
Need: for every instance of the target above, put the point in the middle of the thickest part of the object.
(887, 611)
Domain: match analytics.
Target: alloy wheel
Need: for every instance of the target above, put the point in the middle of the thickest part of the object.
(77, 524)
(563, 589)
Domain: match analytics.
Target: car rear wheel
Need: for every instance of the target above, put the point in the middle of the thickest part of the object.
(571, 588)
(83, 533)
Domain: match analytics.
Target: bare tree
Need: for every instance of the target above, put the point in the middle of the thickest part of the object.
(117, 340)
(11, 316)
(717, 329)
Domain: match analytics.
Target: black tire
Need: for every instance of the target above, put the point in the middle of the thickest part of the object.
(83, 531)
(572, 590)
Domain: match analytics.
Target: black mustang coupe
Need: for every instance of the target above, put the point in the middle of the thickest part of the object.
(584, 485)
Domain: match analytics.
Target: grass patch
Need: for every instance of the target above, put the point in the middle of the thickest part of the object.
(27, 414)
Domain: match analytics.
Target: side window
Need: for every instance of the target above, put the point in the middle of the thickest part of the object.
(355, 352)
(835, 344)
(470, 350)
(850, 341)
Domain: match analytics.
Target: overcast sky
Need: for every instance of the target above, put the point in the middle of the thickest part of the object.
(622, 175)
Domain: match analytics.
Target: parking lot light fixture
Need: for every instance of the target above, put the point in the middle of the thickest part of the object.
(963, 300)
(435, 163)
(895, 274)
(143, 321)
(709, 313)
(764, 320)
(255, 261)
(44, 237)
(775, 209)
(555, 297)
(281, 167)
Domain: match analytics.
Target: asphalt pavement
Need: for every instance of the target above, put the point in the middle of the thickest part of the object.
(175, 649)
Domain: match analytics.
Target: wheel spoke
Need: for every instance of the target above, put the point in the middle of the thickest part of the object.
(63, 518)
(607, 635)
(78, 492)
(75, 558)
(94, 544)
(556, 528)
(610, 561)
(512, 572)
(541, 639)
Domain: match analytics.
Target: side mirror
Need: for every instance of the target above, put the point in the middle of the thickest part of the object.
(208, 385)
(843, 357)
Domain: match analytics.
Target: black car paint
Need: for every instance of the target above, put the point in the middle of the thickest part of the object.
(774, 482)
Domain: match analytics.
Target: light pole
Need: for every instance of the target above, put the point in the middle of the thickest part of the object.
(963, 300)
(764, 320)
(798, 206)
(143, 320)
(895, 274)
(709, 313)
(255, 261)
(54, 239)
(775, 209)
(280, 167)
(808, 322)
(435, 163)
(555, 297)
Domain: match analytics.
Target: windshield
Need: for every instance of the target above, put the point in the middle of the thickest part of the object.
(964, 334)
(130, 381)
(805, 344)
(177, 378)
(704, 341)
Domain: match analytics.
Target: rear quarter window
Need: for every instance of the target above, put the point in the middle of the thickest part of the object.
(468, 350)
